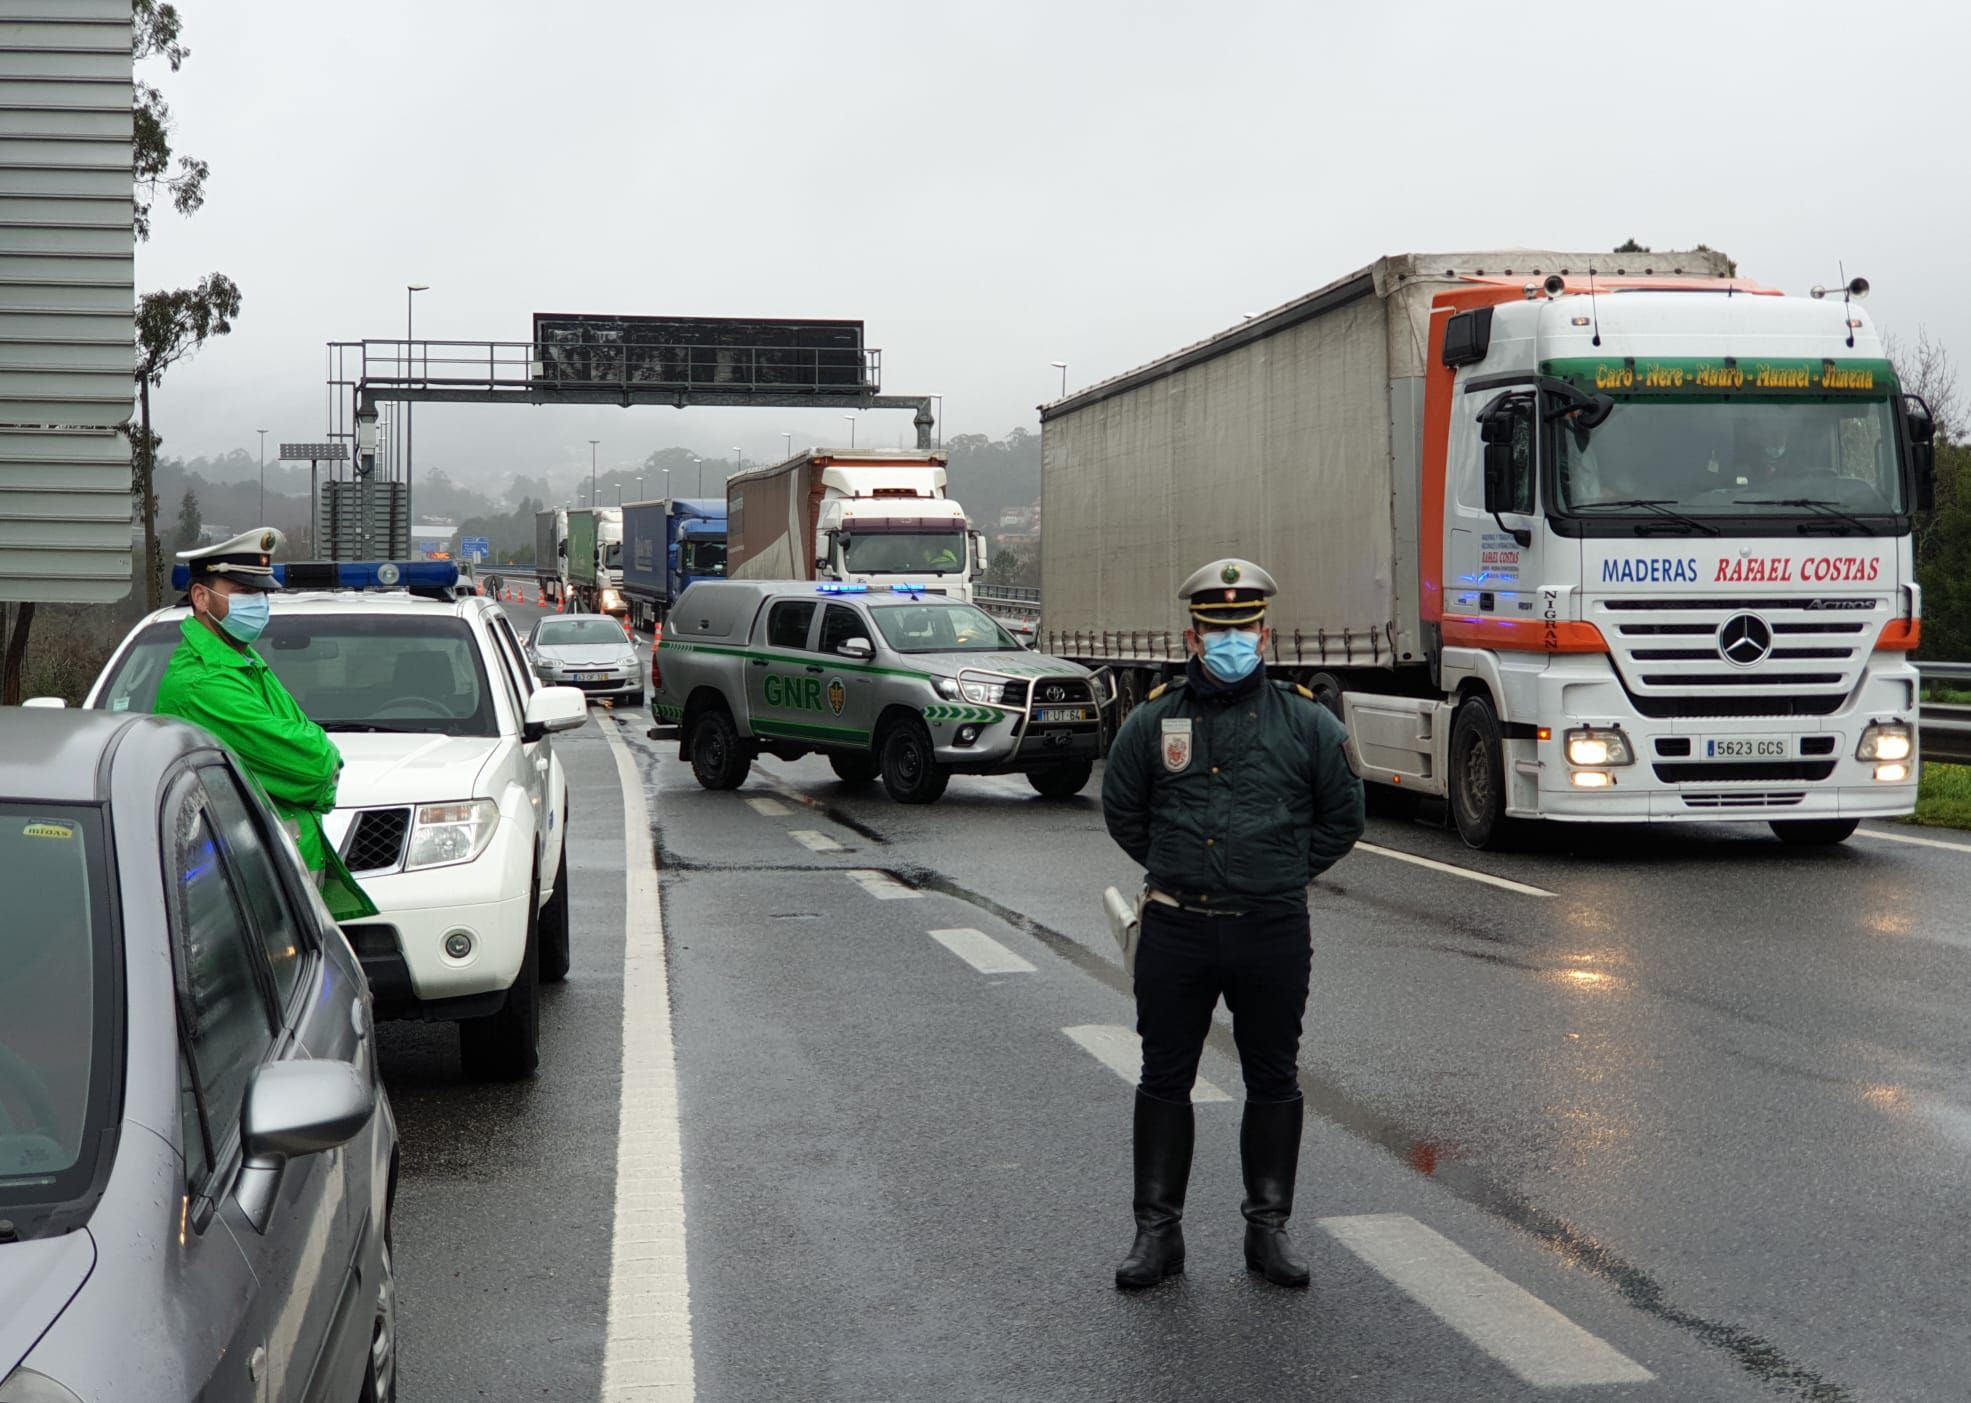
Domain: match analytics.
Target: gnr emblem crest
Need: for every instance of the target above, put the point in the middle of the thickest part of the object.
(837, 695)
(1176, 744)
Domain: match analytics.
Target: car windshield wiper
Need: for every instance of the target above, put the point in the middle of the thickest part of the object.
(1826, 508)
(1659, 505)
(372, 726)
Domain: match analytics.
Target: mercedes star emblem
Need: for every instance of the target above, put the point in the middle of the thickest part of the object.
(1745, 639)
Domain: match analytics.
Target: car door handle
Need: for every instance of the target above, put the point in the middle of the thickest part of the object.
(813, 668)
(759, 662)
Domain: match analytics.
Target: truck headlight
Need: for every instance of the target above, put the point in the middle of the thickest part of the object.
(1588, 746)
(446, 834)
(1886, 740)
(611, 600)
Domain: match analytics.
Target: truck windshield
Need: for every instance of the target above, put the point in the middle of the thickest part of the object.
(1736, 457)
(612, 555)
(703, 558)
(53, 1077)
(904, 552)
(941, 628)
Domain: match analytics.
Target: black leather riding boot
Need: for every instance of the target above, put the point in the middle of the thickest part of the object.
(1164, 1132)
(1269, 1149)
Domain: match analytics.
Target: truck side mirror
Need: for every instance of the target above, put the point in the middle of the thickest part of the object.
(1496, 431)
(1922, 450)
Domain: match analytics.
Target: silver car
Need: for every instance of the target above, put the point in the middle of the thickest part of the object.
(196, 1156)
(590, 651)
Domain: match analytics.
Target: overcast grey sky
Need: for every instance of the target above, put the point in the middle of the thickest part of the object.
(992, 187)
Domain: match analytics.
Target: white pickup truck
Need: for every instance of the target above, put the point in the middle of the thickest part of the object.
(891, 680)
(451, 808)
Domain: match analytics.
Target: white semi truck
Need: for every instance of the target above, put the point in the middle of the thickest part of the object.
(1585, 537)
(857, 516)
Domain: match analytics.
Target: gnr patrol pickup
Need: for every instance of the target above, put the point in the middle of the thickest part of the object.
(883, 680)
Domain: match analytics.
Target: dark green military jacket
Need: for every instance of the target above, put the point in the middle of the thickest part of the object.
(1234, 796)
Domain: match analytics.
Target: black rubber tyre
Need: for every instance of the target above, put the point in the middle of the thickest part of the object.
(1478, 782)
(1063, 781)
(1326, 688)
(506, 1046)
(853, 769)
(1814, 832)
(634, 699)
(910, 769)
(557, 950)
(718, 759)
(380, 1375)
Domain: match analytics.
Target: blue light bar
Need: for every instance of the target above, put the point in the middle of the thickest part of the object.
(841, 589)
(351, 574)
(908, 589)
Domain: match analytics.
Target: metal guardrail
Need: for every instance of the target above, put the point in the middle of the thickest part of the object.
(1008, 601)
(1944, 728)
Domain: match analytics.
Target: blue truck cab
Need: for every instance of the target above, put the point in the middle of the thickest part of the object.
(667, 545)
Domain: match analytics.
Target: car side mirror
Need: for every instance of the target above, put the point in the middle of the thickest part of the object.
(554, 709)
(293, 1109)
(861, 649)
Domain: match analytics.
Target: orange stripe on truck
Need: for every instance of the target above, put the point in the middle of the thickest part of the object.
(1523, 635)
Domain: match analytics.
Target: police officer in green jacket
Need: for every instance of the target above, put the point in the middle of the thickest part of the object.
(216, 681)
(1234, 792)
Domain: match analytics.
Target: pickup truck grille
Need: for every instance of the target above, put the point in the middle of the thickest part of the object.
(376, 840)
(1062, 691)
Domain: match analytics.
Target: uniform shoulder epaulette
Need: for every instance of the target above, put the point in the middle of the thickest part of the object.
(1163, 687)
(1297, 690)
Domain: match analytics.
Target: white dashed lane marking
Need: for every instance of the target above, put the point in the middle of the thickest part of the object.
(1912, 840)
(1121, 1052)
(814, 840)
(981, 951)
(769, 808)
(881, 885)
(1505, 884)
(1511, 1324)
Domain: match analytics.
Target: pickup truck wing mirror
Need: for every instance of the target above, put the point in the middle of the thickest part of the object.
(554, 709)
(861, 649)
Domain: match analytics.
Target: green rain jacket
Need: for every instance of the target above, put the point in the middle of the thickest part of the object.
(1232, 796)
(232, 693)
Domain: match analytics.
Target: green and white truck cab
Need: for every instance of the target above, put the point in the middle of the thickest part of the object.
(892, 681)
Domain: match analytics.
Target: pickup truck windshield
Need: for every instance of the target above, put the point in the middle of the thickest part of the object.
(904, 552)
(941, 628)
(347, 672)
(53, 1081)
(1734, 457)
(703, 558)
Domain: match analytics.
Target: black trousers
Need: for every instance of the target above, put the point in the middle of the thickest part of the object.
(1259, 963)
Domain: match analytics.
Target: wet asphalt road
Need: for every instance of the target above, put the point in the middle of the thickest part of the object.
(1704, 1096)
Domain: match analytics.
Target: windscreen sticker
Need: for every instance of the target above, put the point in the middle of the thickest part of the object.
(45, 828)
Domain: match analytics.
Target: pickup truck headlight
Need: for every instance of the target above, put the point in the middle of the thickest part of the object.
(946, 687)
(1589, 746)
(980, 691)
(1886, 740)
(443, 835)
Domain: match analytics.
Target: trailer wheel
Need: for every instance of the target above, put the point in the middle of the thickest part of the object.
(910, 767)
(1478, 780)
(718, 757)
(1814, 832)
(1326, 688)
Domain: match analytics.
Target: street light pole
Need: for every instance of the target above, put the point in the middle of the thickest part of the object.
(411, 290)
(851, 419)
(592, 443)
(263, 475)
(737, 462)
(667, 484)
(1062, 366)
(701, 475)
(940, 400)
(790, 442)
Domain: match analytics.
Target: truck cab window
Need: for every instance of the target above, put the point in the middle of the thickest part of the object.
(787, 623)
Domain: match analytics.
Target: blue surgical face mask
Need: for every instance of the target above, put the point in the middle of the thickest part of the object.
(1231, 653)
(246, 616)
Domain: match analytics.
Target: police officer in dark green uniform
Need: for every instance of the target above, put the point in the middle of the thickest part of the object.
(1234, 792)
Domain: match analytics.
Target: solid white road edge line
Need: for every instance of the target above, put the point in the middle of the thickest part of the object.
(881, 885)
(1121, 1052)
(1434, 865)
(647, 1352)
(980, 951)
(768, 808)
(1912, 840)
(814, 840)
(1511, 1324)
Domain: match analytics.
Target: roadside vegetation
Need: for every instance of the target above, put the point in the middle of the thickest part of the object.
(1943, 798)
